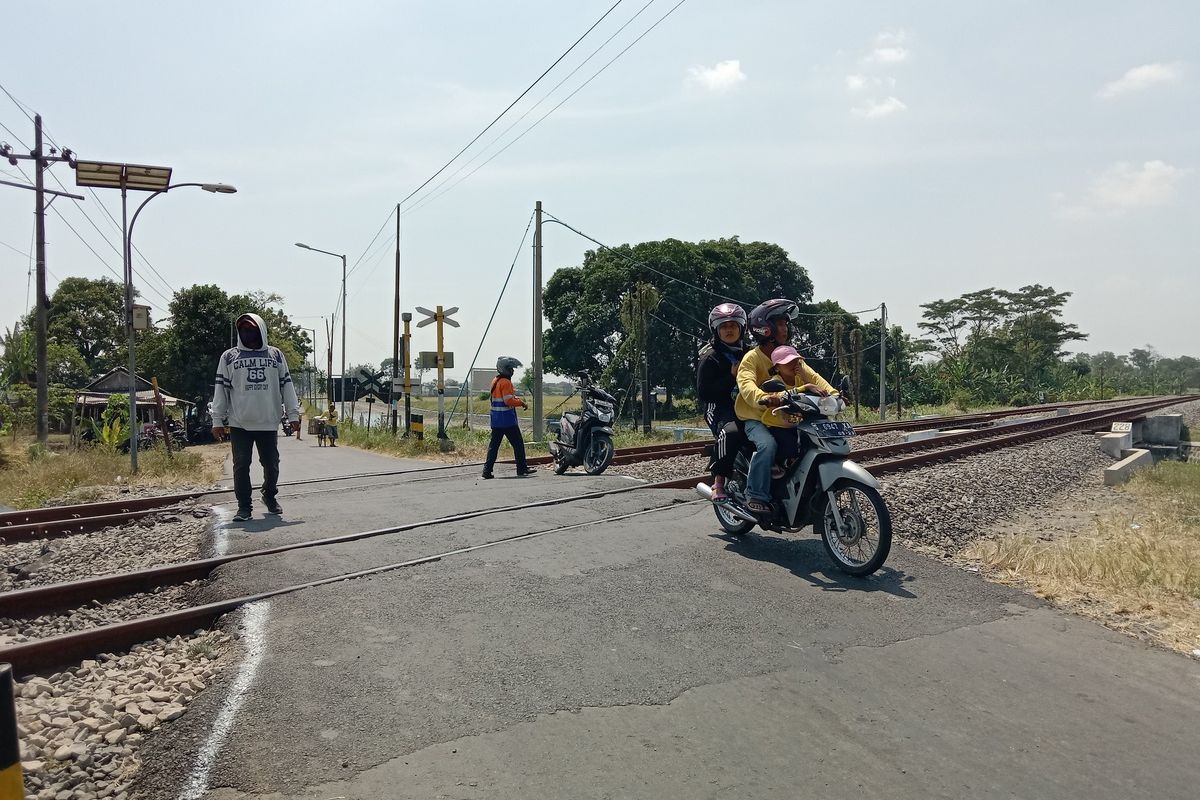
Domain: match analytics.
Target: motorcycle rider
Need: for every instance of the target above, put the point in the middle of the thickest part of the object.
(716, 389)
(504, 418)
(770, 325)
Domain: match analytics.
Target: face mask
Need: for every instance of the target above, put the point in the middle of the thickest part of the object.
(251, 337)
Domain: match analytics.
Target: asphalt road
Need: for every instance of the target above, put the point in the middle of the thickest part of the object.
(652, 657)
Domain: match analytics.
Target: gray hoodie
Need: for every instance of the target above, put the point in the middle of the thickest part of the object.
(252, 385)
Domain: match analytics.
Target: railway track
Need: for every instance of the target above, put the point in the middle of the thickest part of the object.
(42, 600)
(54, 521)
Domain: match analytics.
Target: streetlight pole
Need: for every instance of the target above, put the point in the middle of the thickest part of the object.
(342, 256)
(215, 188)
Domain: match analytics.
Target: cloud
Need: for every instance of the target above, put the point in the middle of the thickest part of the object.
(856, 83)
(888, 49)
(1125, 187)
(875, 109)
(1143, 77)
(722, 77)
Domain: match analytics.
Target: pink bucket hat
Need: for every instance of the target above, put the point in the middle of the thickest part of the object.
(783, 355)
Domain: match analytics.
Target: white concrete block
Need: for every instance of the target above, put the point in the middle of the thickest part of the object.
(918, 436)
(1113, 443)
(1123, 470)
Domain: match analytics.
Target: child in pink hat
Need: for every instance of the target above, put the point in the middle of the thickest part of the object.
(790, 367)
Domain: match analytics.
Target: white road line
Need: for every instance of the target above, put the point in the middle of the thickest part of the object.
(254, 620)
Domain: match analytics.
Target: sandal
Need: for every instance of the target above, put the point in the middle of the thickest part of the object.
(718, 495)
(758, 507)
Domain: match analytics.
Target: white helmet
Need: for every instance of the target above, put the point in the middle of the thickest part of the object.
(506, 364)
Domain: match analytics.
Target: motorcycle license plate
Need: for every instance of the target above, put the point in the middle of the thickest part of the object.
(833, 430)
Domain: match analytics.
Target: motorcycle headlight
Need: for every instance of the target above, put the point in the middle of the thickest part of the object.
(830, 406)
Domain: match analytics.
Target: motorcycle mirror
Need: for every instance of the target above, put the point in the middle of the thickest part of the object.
(774, 385)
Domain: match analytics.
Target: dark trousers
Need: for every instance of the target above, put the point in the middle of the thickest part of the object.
(728, 436)
(268, 456)
(518, 446)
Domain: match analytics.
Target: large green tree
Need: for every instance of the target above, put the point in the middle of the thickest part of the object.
(583, 304)
(86, 314)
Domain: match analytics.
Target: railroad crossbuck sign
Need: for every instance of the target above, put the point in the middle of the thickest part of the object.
(441, 317)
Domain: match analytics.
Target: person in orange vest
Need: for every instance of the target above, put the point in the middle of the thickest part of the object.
(504, 418)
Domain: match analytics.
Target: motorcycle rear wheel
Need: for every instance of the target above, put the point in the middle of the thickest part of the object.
(599, 454)
(734, 526)
(866, 537)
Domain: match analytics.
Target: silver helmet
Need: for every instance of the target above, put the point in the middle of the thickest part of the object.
(506, 364)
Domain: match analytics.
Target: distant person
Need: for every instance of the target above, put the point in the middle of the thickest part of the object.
(252, 384)
(331, 425)
(503, 418)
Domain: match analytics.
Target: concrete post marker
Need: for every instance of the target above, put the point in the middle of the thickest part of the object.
(11, 785)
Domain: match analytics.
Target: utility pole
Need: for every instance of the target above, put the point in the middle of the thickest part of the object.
(39, 212)
(882, 361)
(856, 359)
(328, 362)
(643, 340)
(396, 329)
(538, 422)
(41, 161)
(899, 378)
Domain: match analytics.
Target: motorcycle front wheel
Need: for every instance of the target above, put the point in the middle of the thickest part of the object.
(599, 454)
(865, 538)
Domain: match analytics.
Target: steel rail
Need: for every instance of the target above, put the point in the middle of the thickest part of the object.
(54, 521)
(44, 653)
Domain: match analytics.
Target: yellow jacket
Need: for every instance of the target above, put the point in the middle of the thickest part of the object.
(752, 373)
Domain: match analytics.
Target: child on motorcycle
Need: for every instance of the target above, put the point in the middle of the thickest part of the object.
(790, 367)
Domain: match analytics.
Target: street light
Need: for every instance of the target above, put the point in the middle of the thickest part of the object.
(156, 180)
(343, 378)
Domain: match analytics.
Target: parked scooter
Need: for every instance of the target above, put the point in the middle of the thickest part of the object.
(822, 487)
(585, 438)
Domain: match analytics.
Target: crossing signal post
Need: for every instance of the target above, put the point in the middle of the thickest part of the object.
(440, 317)
(407, 359)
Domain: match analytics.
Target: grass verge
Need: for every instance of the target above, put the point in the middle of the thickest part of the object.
(91, 473)
(1138, 571)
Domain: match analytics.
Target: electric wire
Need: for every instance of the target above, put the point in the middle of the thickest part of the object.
(528, 89)
(495, 308)
(146, 281)
(483, 151)
(427, 200)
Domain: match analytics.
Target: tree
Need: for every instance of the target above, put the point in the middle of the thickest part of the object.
(66, 366)
(18, 361)
(88, 316)
(587, 334)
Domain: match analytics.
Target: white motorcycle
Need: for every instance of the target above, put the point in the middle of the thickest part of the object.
(822, 488)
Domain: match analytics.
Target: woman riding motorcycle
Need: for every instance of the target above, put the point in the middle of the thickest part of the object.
(716, 388)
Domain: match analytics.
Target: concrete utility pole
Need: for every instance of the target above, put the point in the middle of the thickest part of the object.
(43, 302)
(396, 330)
(882, 361)
(538, 422)
(645, 361)
(41, 161)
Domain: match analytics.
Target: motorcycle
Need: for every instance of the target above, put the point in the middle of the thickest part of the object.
(586, 437)
(822, 488)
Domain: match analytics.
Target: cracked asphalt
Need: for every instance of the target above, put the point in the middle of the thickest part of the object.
(653, 657)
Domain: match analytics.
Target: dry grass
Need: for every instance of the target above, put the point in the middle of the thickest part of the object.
(1137, 571)
(90, 473)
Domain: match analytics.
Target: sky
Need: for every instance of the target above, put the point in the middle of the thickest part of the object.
(901, 152)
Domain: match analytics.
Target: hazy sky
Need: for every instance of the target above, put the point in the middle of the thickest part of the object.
(901, 152)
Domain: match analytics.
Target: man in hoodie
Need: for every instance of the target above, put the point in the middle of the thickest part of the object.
(252, 383)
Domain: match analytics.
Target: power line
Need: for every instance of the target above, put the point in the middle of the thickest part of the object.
(354, 266)
(428, 199)
(419, 202)
(513, 103)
